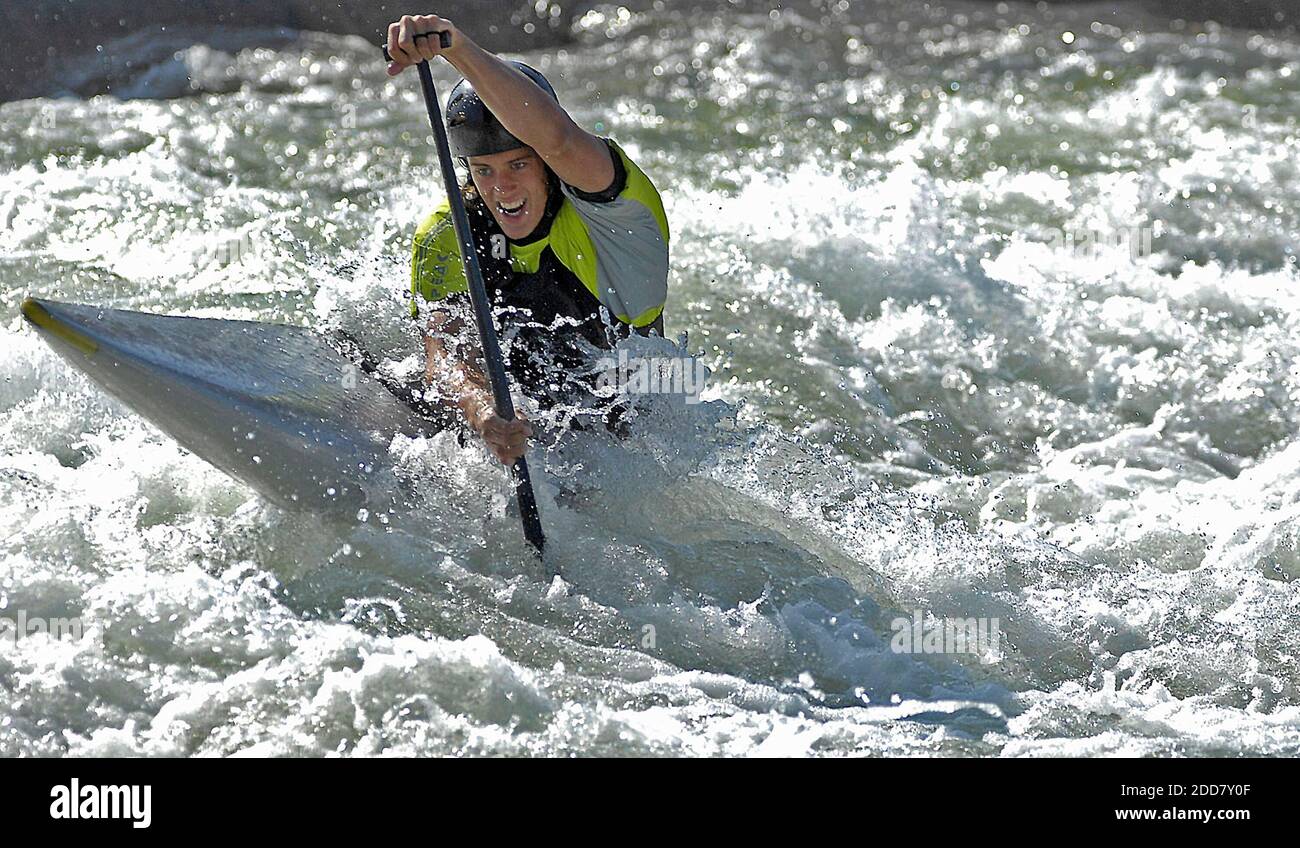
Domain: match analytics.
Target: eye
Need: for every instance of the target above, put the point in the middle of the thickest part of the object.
(520, 165)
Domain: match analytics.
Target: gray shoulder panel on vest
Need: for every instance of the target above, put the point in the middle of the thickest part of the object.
(631, 256)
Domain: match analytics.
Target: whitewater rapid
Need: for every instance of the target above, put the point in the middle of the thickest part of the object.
(921, 397)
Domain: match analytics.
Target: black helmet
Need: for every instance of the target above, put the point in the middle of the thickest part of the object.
(472, 130)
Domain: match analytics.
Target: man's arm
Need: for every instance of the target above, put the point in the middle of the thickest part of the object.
(449, 367)
(579, 158)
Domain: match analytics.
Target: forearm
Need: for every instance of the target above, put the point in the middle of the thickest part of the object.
(465, 386)
(529, 114)
(458, 381)
(524, 110)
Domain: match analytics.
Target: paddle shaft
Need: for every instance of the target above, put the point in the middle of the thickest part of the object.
(492, 359)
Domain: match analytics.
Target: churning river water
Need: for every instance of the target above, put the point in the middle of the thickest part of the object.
(1001, 313)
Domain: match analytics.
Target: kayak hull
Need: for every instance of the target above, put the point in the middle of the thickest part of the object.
(274, 406)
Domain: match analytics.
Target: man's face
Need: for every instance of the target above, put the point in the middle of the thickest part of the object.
(513, 185)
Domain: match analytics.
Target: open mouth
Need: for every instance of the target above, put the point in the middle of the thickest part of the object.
(512, 211)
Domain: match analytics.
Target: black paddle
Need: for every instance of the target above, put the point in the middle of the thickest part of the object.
(501, 401)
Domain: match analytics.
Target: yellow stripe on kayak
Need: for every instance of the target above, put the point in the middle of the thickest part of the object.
(39, 316)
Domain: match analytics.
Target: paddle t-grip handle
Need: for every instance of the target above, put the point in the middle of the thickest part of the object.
(444, 41)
